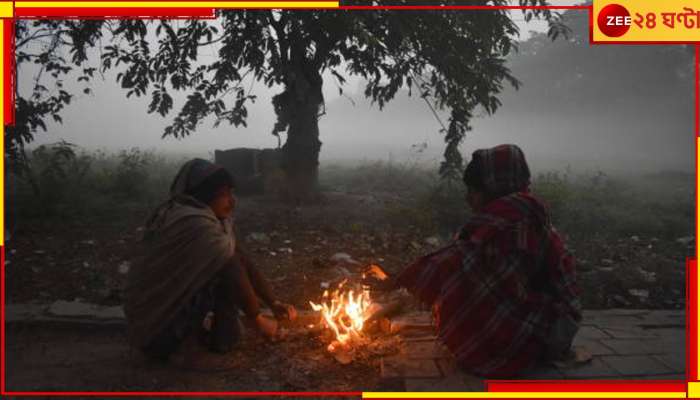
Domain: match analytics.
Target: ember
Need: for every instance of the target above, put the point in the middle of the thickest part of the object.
(344, 312)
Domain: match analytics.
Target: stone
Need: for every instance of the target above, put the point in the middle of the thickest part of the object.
(124, 267)
(115, 312)
(258, 237)
(79, 309)
(649, 277)
(23, 311)
(62, 308)
(432, 241)
(686, 240)
(641, 294)
(343, 258)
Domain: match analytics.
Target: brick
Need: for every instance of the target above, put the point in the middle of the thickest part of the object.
(630, 333)
(426, 349)
(594, 347)
(399, 366)
(670, 334)
(447, 366)
(424, 338)
(664, 318)
(594, 369)
(666, 314)
(452, 383)
(675, 362)
(674, 345)
(637, 365)
(612, 320)
(396, 384)
(592, 332)
(671, 377)
(542, 372)
(615, 312)
(474, 383)
(634, 346)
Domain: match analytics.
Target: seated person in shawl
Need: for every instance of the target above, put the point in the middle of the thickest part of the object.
(504, 292)
(190, 278)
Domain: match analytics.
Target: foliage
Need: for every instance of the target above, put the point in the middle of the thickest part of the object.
(455, 60)
(43, 43)
(582, 205)
(64, 181)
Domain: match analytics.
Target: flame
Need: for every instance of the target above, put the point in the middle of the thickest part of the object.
(344, 312)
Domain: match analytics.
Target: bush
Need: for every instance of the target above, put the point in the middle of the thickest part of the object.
(62, 181)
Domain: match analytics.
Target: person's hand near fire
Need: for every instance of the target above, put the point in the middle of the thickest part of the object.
(284, 311)
(378, 279)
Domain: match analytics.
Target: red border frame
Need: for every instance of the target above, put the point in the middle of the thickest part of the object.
(495, 386)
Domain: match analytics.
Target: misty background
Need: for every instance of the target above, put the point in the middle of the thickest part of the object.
(610, 108)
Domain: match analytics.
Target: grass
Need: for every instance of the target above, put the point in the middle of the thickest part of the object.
(581, 204)
(67, 182)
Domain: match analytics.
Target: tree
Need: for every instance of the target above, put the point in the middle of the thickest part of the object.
(453, 59)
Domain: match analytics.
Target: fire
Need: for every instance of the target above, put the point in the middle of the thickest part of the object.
(344, 312)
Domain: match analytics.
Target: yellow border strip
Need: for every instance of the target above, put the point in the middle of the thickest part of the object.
(526, 395)
(183, 4)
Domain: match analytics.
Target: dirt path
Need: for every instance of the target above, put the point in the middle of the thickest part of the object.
(57, 357)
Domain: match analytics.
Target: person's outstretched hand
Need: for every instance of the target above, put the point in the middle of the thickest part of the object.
(376, 278)
(375, 271)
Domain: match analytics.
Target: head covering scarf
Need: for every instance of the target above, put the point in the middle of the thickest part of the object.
(498, 171)
(184, 245)
(501, 287)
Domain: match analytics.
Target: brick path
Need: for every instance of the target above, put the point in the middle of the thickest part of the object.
(625, 344)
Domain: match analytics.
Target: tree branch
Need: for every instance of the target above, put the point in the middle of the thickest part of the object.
(282, 39)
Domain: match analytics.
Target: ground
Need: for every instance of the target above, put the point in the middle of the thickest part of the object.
(85, 259)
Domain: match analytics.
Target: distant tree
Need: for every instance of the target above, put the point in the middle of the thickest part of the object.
(454, 59)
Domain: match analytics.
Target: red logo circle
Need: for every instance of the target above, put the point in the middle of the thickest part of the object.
(614, 20)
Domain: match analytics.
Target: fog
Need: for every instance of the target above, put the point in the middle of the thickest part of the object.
(621, 128)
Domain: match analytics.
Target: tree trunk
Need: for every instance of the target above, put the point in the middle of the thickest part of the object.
(303, 146)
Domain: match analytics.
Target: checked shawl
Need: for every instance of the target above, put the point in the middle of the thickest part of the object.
(499, 287)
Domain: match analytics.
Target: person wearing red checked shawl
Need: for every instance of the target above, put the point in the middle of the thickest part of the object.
(504, 292)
